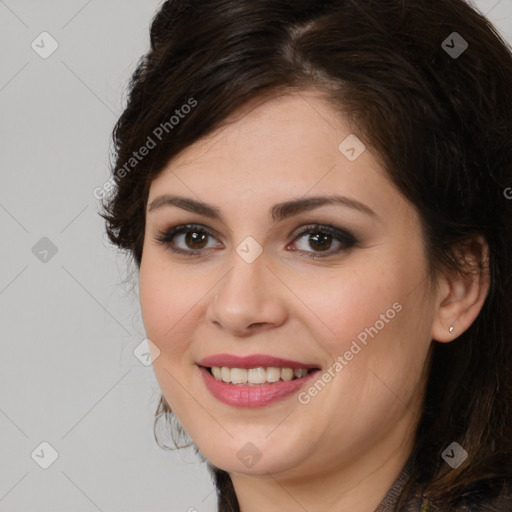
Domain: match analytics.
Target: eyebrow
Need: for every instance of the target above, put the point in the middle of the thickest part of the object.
(278, 212)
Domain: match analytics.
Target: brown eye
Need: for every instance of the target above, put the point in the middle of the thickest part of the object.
(321, 240)
(196, 240)
(188, 239)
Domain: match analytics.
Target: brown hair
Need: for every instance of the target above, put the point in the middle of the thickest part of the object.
(442, 124)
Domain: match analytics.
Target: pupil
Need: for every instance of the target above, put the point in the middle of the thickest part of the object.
(193, 238)
(323, 239)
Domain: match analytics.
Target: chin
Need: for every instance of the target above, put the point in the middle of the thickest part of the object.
(254, 458)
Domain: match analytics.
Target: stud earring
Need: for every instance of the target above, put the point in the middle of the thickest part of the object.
(451, 329)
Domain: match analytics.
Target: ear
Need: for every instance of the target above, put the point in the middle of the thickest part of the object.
(461, 295)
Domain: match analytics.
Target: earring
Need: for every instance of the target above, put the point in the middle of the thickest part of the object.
(451, 329)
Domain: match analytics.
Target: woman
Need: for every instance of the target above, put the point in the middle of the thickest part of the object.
(315, 195)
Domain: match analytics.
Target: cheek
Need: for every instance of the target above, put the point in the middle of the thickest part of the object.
(346, 302)
(379, 307)
(167, 299)
(376, 331)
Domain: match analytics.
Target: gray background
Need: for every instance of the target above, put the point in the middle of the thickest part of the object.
(69, 325)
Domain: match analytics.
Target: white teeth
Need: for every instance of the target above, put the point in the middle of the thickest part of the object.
(273, 374)
(300, 372)
(286, 374)
(238, 375)
(257, 375)
(225, 374)
(254, 376)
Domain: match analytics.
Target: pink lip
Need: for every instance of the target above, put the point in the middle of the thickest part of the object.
(239, 395)
(252, 361)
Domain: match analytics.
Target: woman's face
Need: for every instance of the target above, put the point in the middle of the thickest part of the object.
(338, 288)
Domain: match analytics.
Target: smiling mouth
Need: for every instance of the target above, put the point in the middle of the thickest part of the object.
(259, 376)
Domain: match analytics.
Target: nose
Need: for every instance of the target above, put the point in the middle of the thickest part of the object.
(248, 298)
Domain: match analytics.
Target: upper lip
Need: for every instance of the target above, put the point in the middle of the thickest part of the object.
(251, 361)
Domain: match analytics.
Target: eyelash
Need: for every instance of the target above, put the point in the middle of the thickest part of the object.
(339, 235)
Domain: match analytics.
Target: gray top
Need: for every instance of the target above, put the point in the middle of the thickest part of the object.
(391, 498)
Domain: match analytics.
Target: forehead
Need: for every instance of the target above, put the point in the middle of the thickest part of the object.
(274, 149)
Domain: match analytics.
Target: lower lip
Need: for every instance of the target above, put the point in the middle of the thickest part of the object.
(239, 395)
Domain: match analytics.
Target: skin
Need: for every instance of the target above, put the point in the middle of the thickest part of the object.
(343, 450)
